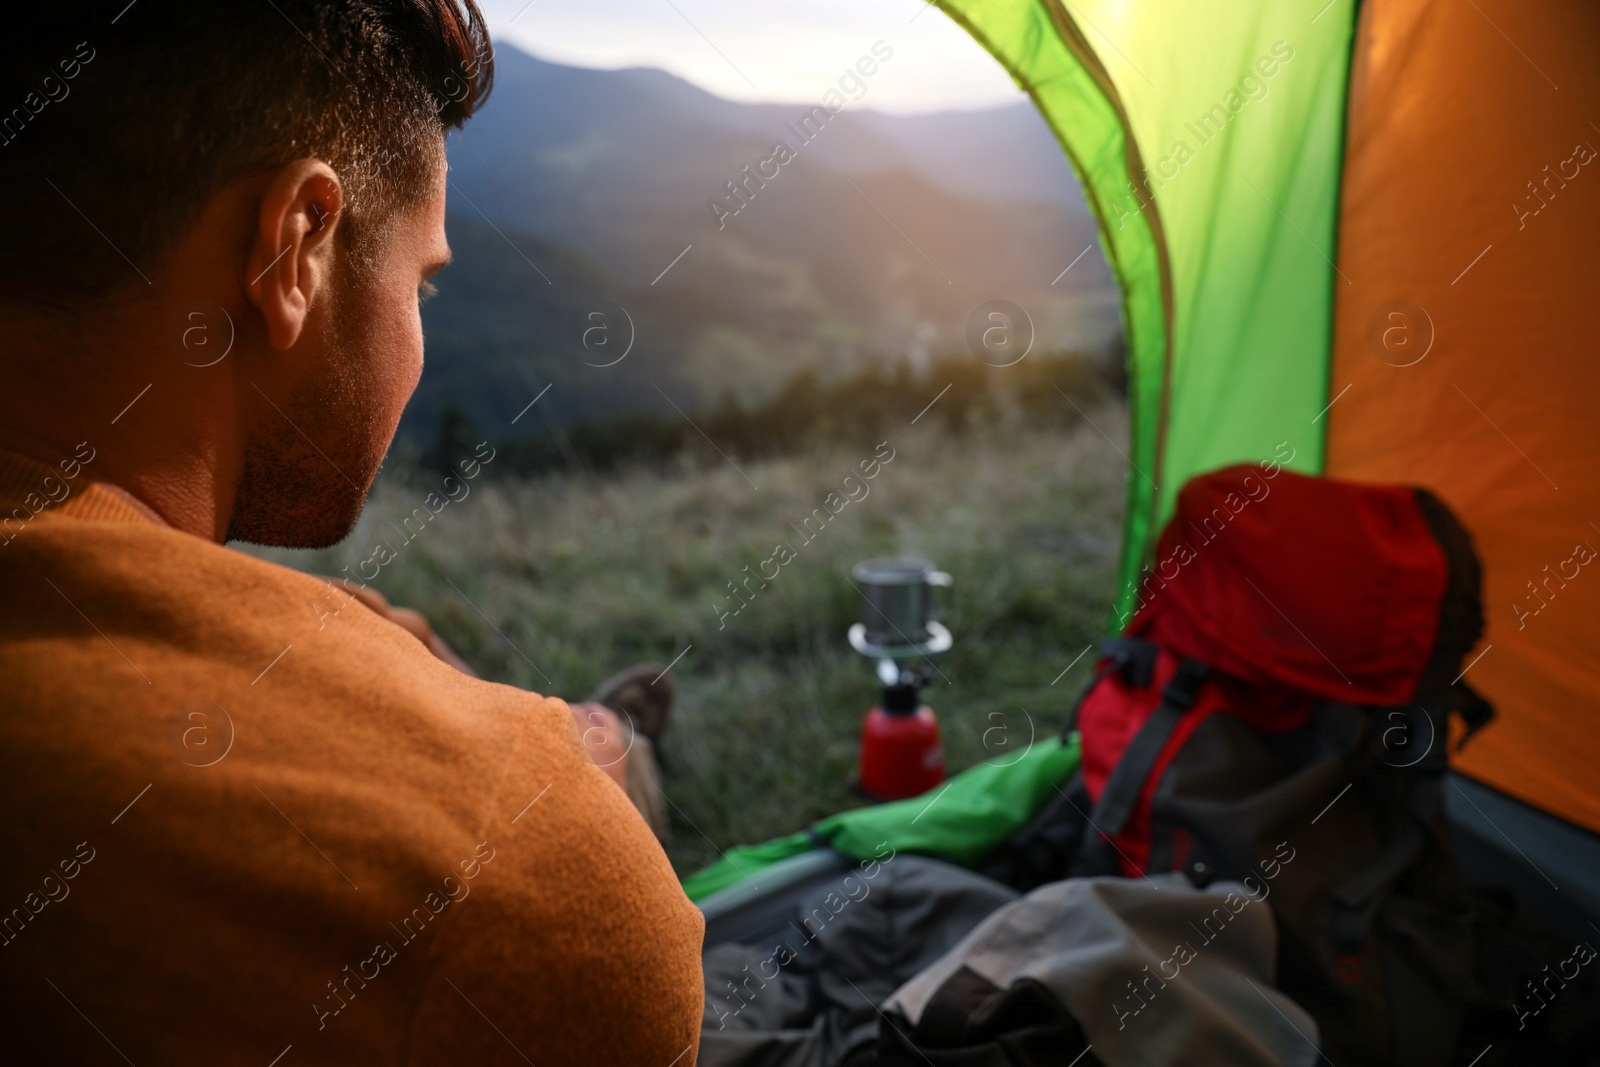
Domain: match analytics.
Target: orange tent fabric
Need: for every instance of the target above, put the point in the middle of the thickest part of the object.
(1463, 361)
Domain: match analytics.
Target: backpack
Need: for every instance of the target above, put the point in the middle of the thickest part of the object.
(1278, 713)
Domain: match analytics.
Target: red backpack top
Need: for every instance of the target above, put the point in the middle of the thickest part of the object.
(1328, 587)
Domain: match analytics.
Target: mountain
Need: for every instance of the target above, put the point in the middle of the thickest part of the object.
(593, 207)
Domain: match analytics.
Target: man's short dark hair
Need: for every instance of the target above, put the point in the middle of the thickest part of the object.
(119, 121)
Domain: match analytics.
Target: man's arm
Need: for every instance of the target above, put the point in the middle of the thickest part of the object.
(576, 944)
(413, 622)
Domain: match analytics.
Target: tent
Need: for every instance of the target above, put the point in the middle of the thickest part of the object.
(1358, 239)
(1354, 239)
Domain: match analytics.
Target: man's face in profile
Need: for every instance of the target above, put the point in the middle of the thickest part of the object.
(341, 387)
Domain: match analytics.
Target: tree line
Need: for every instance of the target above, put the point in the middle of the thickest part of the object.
(956, 393)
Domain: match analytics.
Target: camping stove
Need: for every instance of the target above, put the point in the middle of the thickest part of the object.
(901, 752)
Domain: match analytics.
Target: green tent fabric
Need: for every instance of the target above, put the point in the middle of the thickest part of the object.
(1050, 60)
(1220, 232)
(961, 821)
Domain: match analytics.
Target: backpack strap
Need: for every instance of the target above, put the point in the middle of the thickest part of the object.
(1475, 711)
(1131, 657)
(1127, 781)
(1357, 897)
(1417, 793)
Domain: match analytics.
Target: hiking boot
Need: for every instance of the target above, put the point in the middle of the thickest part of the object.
(643, 694)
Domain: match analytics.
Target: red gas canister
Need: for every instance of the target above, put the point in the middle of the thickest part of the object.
(901, 753)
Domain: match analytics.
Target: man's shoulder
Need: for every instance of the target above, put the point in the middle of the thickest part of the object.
(99, 588)
(273, 780)
(123, 642)
(160, 574)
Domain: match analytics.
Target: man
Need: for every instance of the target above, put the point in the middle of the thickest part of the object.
(248, 819)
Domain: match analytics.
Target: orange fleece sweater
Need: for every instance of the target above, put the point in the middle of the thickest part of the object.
(246, 817)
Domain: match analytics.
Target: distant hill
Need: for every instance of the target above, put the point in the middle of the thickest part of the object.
(575, 189)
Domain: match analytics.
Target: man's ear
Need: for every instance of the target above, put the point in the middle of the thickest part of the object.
(291, 250)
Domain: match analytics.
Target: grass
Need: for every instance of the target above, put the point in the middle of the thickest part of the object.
(556, 582)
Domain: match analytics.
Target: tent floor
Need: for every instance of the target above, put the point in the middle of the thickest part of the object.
(1552, 865)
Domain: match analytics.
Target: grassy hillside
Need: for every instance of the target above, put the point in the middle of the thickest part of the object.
(554, 583)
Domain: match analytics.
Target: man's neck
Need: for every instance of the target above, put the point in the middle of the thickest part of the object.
(154, 437)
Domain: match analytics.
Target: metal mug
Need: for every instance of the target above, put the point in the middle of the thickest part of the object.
(897, 606)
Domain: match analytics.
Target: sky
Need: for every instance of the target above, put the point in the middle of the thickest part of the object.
(758, 50)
